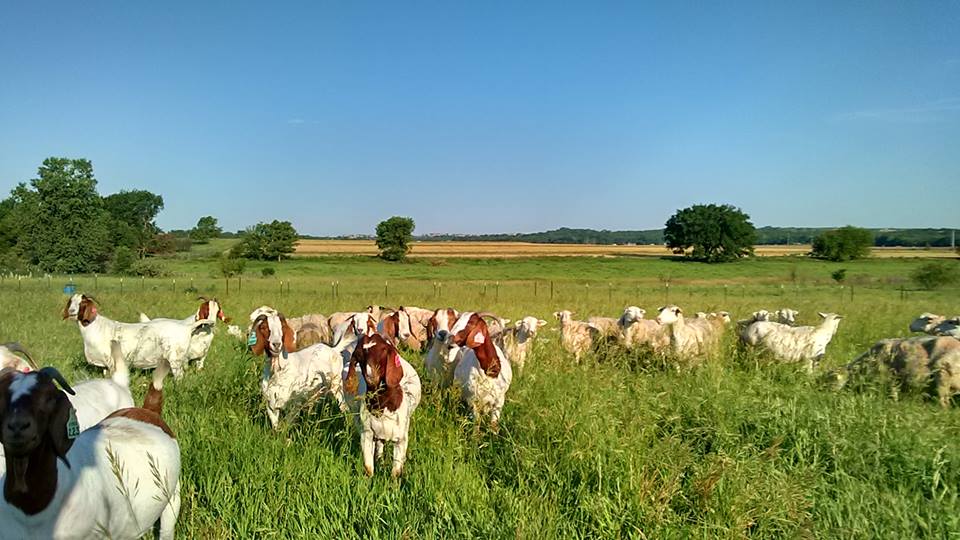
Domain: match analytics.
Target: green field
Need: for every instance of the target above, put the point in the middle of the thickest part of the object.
(610, 447)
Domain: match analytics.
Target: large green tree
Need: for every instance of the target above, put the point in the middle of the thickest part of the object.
(711, 233)
(206, 229)
(59, 220)
(843, 244)
(268, 241)
(133, 214)
(394, 236)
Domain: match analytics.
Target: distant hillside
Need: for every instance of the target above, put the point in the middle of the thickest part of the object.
(765, 236)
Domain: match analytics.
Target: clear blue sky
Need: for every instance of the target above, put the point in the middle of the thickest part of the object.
(494, 117)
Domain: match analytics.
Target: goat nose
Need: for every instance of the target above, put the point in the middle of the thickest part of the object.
(19, 424)
(442, 335)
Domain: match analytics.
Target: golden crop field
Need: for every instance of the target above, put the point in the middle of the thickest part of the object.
(526, 249)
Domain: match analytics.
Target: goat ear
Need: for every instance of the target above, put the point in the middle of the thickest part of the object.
(541, 322)
(59, 428)
(394, 367)
(87, 313)
(260, 343)
(289, 344)
(66, 308)
(822, 314)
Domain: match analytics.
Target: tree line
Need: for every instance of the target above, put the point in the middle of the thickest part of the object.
(58, 222)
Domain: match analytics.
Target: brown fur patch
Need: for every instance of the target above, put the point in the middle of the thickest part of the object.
(143, 415)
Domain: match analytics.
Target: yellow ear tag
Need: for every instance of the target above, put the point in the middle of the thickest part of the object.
(73, 427)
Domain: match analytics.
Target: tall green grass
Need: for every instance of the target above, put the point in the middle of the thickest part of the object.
(611, 447)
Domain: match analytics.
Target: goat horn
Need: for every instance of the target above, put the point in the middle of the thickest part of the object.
(487, 314)
(91, 298)
(16, 347)
(204, 298)
(52, 372)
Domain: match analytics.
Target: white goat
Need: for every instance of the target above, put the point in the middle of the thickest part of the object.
(793, 343)
(201, 338)
(64, 484)
(389, 393)
(688, 338)
(575, 336)
(293, 378)
(636, 331)
(144, 345)
(443, 354)
(518, 340)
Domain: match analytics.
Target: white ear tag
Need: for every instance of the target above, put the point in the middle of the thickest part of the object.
(73, 427)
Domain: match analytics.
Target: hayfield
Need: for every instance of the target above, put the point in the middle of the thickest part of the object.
(615, 446)
(310, 248)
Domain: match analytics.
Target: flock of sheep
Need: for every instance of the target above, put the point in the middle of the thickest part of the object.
(61, 448)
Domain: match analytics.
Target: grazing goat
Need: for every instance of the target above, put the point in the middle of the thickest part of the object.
(936, 325)
(517, 340)
(443, 353)
(144, 345)
(292, 378)
(14, 356)
(419, 319)
(636, 331)
(200, 340)
(388, 396)
(575, 336)
(689, 338)
(62, 483)
(921, 363)
(607, 326)
(805, 344)
(483, 373)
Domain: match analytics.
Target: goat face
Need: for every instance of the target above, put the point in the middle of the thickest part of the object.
(564, 316)
(527, 327)
(33, 411)
(440, 323)
(631, 314)
(669, 314)
(379, 364)
(80, 307)
(208, 307)
(273, 336)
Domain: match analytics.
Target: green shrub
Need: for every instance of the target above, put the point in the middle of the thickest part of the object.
(843, 244)
(149, 268)
(934, 275)
(123, 259)
(268, 271)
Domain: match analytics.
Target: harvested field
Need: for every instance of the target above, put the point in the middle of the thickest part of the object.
(525, 249)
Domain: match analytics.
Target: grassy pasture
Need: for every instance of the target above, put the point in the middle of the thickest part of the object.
(612, 447)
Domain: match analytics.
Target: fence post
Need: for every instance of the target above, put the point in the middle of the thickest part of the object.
(587, 285)
(121, 286)
(142, 282)
(551, 290)
(281, 287)
(174, 285)
(386, 291)
(239, 282)
(534, 289)
(498, 292)
(96, 283)
(666, 292)
(333, 291)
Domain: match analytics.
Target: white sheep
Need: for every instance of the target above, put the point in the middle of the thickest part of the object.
(575, 336)
(518, 340)
(388, 391)
(636, 331)
(62, 483)
(689, 338)
(144, 345)
(921, 363)
(936, 325)
(608, 326)
(793, 343)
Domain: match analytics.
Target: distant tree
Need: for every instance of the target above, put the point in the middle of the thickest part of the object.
(161, 244)
(843, 244)
(839, 275)
(59, 220)
(394, 236)
(934, 275)
(133, 214)
(206, 229)
(710, 232)
(268, 241)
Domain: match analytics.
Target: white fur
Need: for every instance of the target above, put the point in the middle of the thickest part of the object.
(635, 330)
(144, 345)
(90, 500)
(793, 343)
(443, 355)
(200, 340)
(694, 337)
(576, 336)
(484, 395)
(517, 341)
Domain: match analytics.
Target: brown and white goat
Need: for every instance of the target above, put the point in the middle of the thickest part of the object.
(483, 373)
(61, 483)
(389, 393)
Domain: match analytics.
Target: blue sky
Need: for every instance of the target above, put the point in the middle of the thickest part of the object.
(494, 116)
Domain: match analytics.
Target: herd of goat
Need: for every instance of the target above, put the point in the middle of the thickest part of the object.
(62, 444)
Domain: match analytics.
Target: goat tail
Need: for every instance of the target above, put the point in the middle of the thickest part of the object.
(121, 373)
(153, 401)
